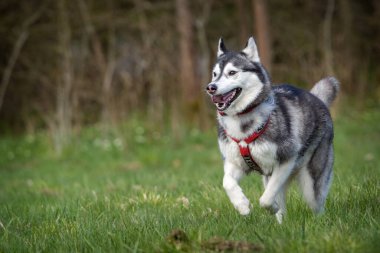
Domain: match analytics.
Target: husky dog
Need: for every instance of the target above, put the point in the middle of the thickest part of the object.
(282, 132)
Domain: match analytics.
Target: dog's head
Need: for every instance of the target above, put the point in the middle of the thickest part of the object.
(238, 79)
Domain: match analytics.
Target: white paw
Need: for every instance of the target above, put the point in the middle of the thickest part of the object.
(266, 202)
(279, 217)
(269, 204)
(243, 208)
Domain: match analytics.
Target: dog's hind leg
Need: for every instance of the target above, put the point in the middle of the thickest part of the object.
(280, 200)
(315, 178)
(232, 176)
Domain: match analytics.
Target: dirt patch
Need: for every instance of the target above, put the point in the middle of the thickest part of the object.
(49, 192)
(180, 240)
(131, 166)
(221, 245)
(177, 236)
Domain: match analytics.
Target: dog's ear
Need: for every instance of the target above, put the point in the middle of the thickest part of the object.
(251, 50)
(221, 47)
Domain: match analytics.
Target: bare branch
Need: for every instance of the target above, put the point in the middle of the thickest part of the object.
(16, 52)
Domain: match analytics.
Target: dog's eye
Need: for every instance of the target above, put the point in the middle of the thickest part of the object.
(232, 72)
(214, 74)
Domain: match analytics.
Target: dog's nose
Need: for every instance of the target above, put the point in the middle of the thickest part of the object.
(211, 88)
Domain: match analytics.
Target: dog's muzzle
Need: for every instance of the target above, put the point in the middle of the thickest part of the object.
(211, 88)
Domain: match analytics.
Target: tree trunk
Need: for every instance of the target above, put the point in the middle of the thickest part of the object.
(63, 106)
(105, 62)
(262, 32)
(327, 37)
(108, 112)
(346, 74)
(190, 89)
(242, 21)
(96, 45)
(204, 60)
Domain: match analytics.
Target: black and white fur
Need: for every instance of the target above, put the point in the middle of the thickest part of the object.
(297, 142)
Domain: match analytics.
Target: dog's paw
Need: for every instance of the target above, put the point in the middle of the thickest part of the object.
(243, 208)
(280, 217)
(268, 204)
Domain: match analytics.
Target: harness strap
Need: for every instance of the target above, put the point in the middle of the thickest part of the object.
(244, 147)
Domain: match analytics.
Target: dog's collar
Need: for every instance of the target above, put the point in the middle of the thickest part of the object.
(244, 147)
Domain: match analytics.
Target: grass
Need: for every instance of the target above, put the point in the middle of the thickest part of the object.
(128, 192)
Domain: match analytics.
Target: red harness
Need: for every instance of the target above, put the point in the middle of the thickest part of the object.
(244, 147)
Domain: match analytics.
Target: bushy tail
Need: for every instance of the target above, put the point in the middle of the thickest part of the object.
(326, 90)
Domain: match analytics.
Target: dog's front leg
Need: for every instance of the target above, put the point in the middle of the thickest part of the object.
(279, 205)
(275, 184)
(232, 176)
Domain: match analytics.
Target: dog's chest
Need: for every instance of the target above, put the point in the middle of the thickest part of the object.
(262, 152)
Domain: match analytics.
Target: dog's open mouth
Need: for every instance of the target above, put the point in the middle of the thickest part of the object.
(223, 101)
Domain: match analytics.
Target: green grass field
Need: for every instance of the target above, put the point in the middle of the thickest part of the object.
(128, 193)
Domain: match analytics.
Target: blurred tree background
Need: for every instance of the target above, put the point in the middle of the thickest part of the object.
(69, 64)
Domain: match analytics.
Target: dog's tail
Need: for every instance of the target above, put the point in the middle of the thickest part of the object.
(326, 90)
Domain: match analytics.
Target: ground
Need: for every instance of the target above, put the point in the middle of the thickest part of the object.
(136, 190)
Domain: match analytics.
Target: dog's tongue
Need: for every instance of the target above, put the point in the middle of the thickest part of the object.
(223, 98)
